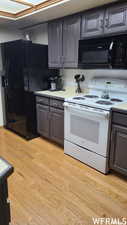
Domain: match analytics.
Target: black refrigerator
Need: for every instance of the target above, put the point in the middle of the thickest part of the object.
(25, 70)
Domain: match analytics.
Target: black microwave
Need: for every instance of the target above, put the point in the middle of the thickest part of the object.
(109, 52)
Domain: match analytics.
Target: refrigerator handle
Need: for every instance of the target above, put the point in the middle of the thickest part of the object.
(27, 81)
(4, 82)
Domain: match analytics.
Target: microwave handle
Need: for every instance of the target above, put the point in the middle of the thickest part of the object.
(111, 46)
(110, 52)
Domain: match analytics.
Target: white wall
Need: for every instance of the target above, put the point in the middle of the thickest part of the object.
(38, 34)
(9, 34)
(6, 35)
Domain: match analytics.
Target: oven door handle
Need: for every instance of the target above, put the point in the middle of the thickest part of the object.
(87, 110)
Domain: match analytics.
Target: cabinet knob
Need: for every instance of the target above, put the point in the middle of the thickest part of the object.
(55, 104)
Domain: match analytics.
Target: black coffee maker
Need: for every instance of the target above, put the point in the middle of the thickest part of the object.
(56, 83)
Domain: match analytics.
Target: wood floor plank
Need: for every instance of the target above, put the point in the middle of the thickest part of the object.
(50, 188)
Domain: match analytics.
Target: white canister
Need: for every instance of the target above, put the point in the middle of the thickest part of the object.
(53, 86)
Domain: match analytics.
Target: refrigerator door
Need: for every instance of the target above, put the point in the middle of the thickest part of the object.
(36, 79)
(1, 61)
(26, 71)
(35, 69)
(36, 55)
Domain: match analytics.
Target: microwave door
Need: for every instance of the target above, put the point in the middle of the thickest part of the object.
(98, 56)
(95, 55)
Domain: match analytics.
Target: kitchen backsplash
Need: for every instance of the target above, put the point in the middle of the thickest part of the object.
(68, 75)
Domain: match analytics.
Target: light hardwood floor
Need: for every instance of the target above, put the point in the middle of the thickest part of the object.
(50, 188)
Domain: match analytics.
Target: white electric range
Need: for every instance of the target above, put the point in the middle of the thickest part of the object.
(87, 119)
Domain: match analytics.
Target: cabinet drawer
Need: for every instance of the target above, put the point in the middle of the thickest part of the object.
(54, 110)
(42, 107)
(42, 100)
(56, 103)
(119, 118)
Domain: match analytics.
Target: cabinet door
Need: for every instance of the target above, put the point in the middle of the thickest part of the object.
(43, 120)
(118, 154)
(92, 23)
(71, 36)
(116, 19)
(57, 126)
(55, 44)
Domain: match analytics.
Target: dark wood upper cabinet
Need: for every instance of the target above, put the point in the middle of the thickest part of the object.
(108, 20)
(118, 153)
(63, 38)
(64, 34)
(116, 19)
(71, 36)
(92, 23)
(55, 44)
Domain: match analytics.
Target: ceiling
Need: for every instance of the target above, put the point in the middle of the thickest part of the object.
(25, 13)
(18, 8)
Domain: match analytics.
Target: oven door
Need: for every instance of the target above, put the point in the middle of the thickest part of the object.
(87, 127)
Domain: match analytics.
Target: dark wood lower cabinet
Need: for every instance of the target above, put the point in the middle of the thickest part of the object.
(118, 160)
(118, 150)
(43, 123)
(50, 119)
(57, 125)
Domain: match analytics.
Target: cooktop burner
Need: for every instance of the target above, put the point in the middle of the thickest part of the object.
(79, 98)
(104, 102)
(116, 100)
(91, 96)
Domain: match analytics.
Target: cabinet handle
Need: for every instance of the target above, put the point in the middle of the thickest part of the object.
(61, 59)
(106, 22)
(40, 102)
(49, 116)
(55, 104)
(102, 23)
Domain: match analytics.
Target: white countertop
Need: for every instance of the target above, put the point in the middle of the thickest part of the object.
(69, 92)
(122, 106)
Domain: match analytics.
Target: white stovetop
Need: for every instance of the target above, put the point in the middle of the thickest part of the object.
(93, 102)
(117, 89)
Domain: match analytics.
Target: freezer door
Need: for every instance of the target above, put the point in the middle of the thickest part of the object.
(14, 87)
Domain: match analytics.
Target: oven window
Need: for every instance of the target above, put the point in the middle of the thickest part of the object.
(84, 128)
